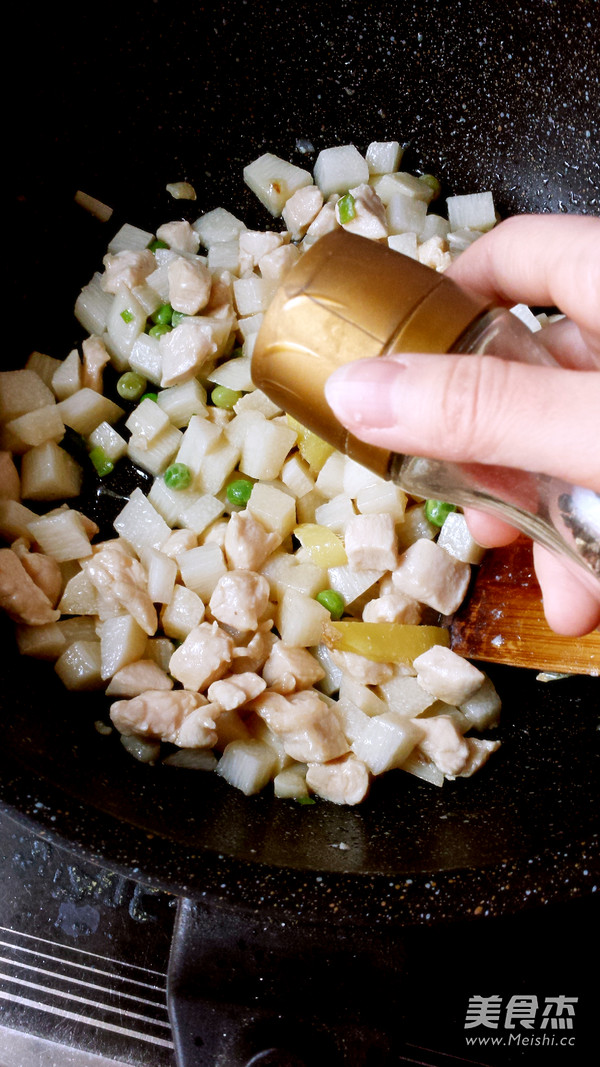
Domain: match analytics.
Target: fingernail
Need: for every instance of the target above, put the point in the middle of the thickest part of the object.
(363, 393)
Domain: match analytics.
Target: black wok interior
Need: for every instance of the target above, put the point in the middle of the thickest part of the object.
(119, 102)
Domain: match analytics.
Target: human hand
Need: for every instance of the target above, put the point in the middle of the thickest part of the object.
(489, 410)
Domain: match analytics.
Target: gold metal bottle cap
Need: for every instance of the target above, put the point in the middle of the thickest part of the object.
(350, 298)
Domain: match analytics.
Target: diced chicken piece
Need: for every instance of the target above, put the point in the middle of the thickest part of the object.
(121, 579)
(443, 743)
(254, 244)
(203, 656)
(367, 671)
(95, 359)
(126, 268)
(344, 781)
(252, 657)
(42, 569)
(274, 265)
(309, 728)
(185, 350)
(289, 668)
(247, 542)
(392, 607)
(236, 690)
(447, 675)
(325, 222)
(179, 541)
(20, 597)
(190, 283)
(301, 209)
(240, 599)
(137, 678)
(370, 542)
(432, 576)
(178, 717)
(10, 483)
(179, 236)
(434, 253)
(370, 218)
(480, 751)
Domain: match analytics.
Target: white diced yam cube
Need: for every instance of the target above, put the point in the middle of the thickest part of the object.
(386, 742)
(283, 571)
(403, 183)
(356, 478)
(146, 358)
(22, 391)
(199, 438)
(252, 294)
(93, 305)
(415, 526)
(370, 542)
(274, 509)
(156, 457)
(335, 513)
(112, 444)
(199, 514)
(234, 374)
(42, 642)
(79, 666)
(122, 641)
(130, 238)
(162, 575)
(290, 783)
(185, 350)
(456, 538)
(265, 449)
(295, 473)
(33, 428)
(159, 650)
(274, 181)
(216, 467)
(403, 694)
(248, 765)
(147, 420)
(482, 710)
(473, 210)
(140, 524)
(67, 378)
(447, 675)
(405, 214)
(406, 243)
(421, 767)
(61, 534)
(435, 226)
(148, 298)
(49, 473)
(330, 682)
(249, 325)
(126, 321)
(382, 498)
(383, 157)
(340, 168)
(330, 479)
(15, 519)
(79, 596)
(459, 240)
(182, 614)
(224, 255)
(180, 402)
(352, 584)
(353, 720)
(201, 568)
(218, 226)
(432, 576)
(300, 619)
(86, 409)
(301, 209)
(360, 695)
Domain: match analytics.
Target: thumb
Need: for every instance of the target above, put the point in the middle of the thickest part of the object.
(475, 409)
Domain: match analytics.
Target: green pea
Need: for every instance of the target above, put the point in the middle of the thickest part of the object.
(333, 601)
(154, 245)
(433, 183)
(222, 397)
(163, 315)
(346, 208)
(437, 511)
(177, 318)
(131, 385)
(101, 462)
(178, 476)
(149, 396)
(159, 330)
(239, 492)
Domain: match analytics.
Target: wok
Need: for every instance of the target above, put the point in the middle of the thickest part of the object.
(119, 100)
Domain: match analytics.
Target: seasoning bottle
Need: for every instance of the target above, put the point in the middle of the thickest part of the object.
(350, 298)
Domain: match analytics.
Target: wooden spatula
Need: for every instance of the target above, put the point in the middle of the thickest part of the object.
(502, 620)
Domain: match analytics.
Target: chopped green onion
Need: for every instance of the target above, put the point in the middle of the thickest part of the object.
(101, 462)
(157, 244)
(222, 397)
(433, 183)
(239, 492)
(332, 601)
(346, 208)
(178, 476)
(149, 396)
(163, 314)
(177, 318)
(127, 315)
(131, 385)
(305, 800)
(159, 330)
(437, 511)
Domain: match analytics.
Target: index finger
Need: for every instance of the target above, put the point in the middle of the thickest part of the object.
(540, 260)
